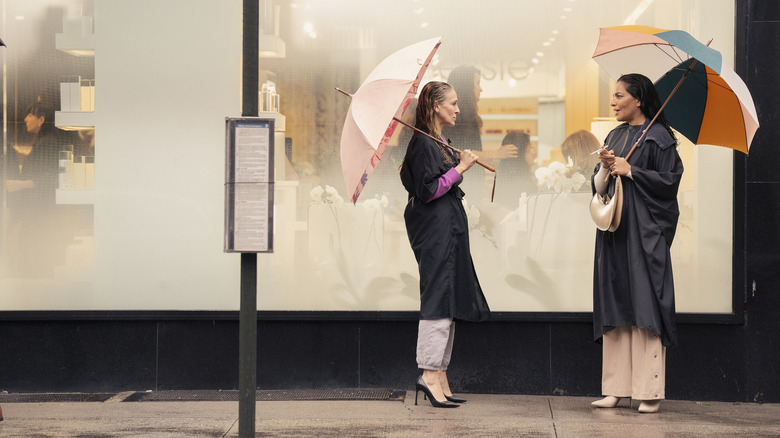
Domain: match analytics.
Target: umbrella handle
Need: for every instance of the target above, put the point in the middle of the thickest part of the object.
(486, 166)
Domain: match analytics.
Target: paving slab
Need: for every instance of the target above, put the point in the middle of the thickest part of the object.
(484, 415)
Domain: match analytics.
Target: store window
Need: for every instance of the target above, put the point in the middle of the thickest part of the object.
(144, 232)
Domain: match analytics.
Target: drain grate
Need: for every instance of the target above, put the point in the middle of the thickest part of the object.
(54, 397)
(273, 395)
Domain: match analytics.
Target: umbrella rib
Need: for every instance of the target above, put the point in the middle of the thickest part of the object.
(679, 58)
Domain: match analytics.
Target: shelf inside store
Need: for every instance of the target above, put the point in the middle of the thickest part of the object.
(509, 116)
(500, 137)
(74, 120)
(75, 196)
(82, 45)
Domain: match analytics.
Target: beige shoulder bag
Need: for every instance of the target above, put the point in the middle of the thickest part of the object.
(606, 211)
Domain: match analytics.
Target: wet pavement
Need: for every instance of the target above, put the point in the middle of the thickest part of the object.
(483, 416)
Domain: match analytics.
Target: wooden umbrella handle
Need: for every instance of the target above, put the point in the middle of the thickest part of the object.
(437, 140)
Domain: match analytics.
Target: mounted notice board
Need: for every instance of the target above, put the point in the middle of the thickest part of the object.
(249, 184)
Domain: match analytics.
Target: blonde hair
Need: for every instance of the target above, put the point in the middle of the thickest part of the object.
(578, 146)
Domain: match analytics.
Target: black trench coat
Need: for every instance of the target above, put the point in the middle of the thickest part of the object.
(632, 274)
(438, 234)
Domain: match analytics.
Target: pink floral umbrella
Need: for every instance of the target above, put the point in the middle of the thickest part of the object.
(376, 105)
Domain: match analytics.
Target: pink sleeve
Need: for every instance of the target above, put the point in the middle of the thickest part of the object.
(445, 183)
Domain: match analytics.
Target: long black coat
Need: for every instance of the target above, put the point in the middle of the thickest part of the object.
(439, 235)
(632, 276)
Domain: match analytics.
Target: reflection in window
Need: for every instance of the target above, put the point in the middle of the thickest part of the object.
(538, 101)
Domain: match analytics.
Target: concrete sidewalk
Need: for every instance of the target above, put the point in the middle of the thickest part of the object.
(483, 416)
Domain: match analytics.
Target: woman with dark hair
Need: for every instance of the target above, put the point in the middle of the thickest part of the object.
(31, 182)
(515, 176)
(633, 288)
(466, 133)
(438, 233)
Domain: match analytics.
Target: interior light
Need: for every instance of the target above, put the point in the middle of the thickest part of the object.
(270, 44)
(638, 11)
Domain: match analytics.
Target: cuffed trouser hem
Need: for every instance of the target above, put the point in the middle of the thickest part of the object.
(434, 343)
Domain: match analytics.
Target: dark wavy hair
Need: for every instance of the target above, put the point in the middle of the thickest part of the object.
(641, 88)
(462, 80)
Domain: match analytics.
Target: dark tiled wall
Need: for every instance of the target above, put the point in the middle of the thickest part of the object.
(761, 70)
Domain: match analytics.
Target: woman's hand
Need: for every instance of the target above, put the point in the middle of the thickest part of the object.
(619, 167)
(607, 158)
(506, 151)
(467, 159)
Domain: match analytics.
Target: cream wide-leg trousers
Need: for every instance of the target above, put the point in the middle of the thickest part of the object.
(634, 364)
(434, 343)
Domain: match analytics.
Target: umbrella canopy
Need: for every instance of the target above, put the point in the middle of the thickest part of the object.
(713, 106)
(383, 97)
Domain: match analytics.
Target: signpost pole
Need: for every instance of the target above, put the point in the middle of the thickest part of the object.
(247, 339)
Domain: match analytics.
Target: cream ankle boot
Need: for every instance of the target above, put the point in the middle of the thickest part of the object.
(606, 402)
(649, 406)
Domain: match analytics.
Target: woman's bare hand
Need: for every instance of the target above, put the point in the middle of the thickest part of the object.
(467, 159)
(619, 167)
(506, 151)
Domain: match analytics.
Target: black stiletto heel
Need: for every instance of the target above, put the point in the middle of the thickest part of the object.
(421, 386)
(454, 399)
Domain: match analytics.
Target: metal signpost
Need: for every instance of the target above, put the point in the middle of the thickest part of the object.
(249, 188)
(249, 208)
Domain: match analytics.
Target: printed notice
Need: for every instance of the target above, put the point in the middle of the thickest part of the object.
(252, 156)
(251, 221)
(249, 184)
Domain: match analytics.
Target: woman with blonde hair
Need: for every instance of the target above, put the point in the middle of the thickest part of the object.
(578, 148)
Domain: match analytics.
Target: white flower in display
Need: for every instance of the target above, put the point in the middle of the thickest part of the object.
(578, 180)
(316, 194)
(559, 177)
(328, 195)
(372, 204)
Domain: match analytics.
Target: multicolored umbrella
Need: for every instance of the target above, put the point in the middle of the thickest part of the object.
(376, 105)
(713, 106)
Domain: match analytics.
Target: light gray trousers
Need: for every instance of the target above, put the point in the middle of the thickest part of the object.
(434, 343)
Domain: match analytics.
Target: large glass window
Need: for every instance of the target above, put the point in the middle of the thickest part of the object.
(132, 212)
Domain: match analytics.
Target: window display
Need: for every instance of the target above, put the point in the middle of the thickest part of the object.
(136, 218)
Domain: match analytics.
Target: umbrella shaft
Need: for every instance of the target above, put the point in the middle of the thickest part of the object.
(490, 168)
(644, 133)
